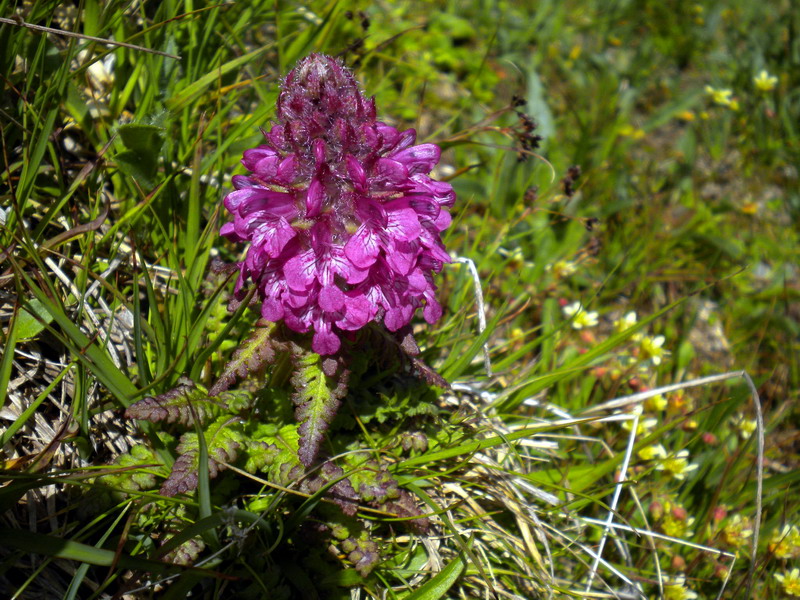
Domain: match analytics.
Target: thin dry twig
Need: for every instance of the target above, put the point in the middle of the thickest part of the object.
(20, 23)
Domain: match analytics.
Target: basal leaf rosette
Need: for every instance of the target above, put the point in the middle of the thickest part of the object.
(341, 216)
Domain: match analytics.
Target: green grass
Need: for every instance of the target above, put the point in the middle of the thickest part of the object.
(114, 164)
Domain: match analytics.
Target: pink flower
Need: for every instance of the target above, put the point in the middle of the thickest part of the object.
(342, 219)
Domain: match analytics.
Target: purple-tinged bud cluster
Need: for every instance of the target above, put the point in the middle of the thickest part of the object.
(343, 221)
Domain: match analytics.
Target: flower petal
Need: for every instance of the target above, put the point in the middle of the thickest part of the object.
(331, 299)
(418, 159)
(358, 312)
(388, 173)
(402, 223)
(300, 271)
(325, 342)
(402, 257)
(272, 309)
(356, 173)
(398, 316)
(287, 170)
(362, 249)
(432, 311)
(314, 198)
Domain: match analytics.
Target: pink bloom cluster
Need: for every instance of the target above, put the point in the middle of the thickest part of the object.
(343, 221)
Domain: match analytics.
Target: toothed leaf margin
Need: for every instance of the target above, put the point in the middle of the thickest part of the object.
(317, 399)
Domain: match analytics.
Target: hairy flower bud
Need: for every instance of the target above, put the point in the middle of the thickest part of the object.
(342, 218)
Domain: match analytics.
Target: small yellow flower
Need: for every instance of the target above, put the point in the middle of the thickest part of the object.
(643, 425)
(632, 132)
(656, 403)
(677, 465)
(650, 347)
(652, 452)
(676, 589)
(580, 318)
(745, 426)
(676, 522)
(738, 531)
(790, 582)
(686, 115)
(625, 322)
(562, 268)
(785, 542)
(765, 82)
(750, 208)
(721, 97)
(679, 404)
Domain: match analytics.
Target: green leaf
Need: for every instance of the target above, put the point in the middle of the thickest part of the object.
(251, 357)
(472, 446)
(130, 478)
(32, 321)
(438, 585)
(142, 138)
(141, 166)
(195, 89)
(275, 453)
(67, 549)
(317, 399)
(140, 159)
(223, 438)
(183, 404)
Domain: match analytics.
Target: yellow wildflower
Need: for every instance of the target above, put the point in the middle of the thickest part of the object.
(790, 582)
(785, 542)
(643, 426)
(738, 531)
(652, 452)
(580, 318)
(745, 426)
(677, 589)
(631, 131)
(765, 82)
(677, 465)
(679, 403)
(625, 322)
(750, 208)
(721, 96)
(650, 347)
(676, 521)
(656, 403)
(562, 268)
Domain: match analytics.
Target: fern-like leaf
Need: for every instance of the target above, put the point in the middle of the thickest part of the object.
(362, 552)
(252, 356)
(187, 553)
(274, 452)
(317, 398)
(179, 405)
(130, 478)
(223, 439)
(341, 491)
(376, 486)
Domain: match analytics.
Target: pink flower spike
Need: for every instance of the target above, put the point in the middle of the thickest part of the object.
(342, 219)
